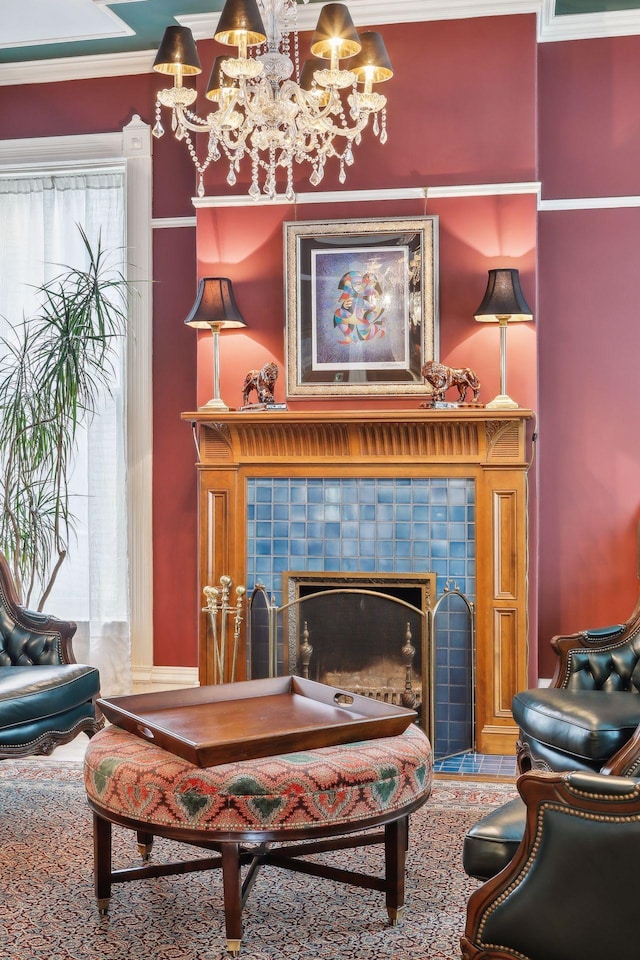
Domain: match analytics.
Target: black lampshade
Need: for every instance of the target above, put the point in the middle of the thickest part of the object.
(373, 59)
(215, 303)
(240, 17)
(335, 22)
(217, 80)
(177, 53)
(503, 298)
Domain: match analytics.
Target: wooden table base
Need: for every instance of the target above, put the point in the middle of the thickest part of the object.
(231, 856)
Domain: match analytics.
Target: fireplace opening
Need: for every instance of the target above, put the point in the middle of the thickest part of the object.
(380, 635)
(368, 634)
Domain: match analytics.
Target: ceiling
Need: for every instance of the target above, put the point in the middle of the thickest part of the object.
(38, 32)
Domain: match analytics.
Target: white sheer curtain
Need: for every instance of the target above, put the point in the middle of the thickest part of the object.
(38, 233)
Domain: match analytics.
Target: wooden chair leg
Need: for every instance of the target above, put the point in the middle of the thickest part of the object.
(396, 836)
(145, 843)
(232, 896)
(102, 862)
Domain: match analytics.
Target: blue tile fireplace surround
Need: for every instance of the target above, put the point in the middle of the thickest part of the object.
(384, 492)
(378, 525)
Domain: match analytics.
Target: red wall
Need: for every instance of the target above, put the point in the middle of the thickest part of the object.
(589, 465)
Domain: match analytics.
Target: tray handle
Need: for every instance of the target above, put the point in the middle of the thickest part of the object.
(343, 699)
(145, 732)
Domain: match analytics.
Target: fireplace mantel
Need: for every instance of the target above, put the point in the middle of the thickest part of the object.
(490, 447)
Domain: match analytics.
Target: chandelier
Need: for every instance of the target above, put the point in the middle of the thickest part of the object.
(261, 112)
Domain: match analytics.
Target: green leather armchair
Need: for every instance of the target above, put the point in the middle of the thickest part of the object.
(560, 871)
(46, 698)
(589, 718)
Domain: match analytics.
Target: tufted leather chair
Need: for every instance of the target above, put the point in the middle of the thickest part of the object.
(46, 698)
(565, 889)
(589, 718)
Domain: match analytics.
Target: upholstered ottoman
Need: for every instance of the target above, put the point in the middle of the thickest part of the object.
(332, 797)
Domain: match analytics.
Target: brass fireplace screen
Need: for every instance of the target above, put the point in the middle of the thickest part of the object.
(375, 636)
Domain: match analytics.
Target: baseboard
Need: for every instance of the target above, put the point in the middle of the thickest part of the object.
(178, 676)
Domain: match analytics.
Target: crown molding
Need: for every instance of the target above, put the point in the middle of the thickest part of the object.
(585, 26)
(76, 68)
(550, 28)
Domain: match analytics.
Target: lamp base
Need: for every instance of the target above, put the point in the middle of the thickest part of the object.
(215, 404)
(501, 402)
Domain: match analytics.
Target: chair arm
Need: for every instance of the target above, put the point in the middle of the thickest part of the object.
(572, 872)
(27, 636)
(42, 623)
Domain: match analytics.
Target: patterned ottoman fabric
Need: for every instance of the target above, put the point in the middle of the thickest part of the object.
(330, 786)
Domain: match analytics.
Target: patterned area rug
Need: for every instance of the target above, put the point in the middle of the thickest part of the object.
(46, 886)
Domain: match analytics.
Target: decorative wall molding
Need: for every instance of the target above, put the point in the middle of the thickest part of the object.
(165, 676)
(589, 203)
(363, 196)
(172, 223)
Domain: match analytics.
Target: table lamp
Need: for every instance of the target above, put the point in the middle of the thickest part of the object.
(503, 303)
(215, 308)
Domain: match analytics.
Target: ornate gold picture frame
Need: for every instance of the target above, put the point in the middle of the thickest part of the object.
(361, 306)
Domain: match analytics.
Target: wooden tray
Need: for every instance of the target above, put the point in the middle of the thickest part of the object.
(254, 718)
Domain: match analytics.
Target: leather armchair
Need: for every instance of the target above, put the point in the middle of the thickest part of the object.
(46, 698)
(567, 890)
(589, 718)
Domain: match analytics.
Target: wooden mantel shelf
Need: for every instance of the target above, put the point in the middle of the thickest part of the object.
(492, 447)
(466, 434)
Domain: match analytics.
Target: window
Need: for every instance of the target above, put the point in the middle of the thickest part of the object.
(46, 188)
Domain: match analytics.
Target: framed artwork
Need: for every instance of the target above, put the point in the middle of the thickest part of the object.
(361, 306)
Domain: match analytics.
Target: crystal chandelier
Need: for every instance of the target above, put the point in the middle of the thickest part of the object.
(261, 112)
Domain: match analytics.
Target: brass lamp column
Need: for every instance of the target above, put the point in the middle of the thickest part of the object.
(215, 308)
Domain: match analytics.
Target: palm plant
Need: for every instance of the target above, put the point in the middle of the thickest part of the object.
(53, 374)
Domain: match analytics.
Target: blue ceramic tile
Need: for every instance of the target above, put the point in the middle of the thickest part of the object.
(367, 531)
(404, 512)
(367, 492)
(385, 548)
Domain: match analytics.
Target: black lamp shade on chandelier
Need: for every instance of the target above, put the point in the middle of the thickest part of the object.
(177, 53)
(373, 60)
(335, 32)
(239, 21)
(503, 303)
(215, 303)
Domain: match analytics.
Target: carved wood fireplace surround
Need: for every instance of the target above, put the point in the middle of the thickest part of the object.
(487, 449)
